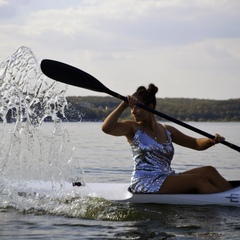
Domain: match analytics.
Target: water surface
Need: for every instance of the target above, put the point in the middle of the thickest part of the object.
(108, 159)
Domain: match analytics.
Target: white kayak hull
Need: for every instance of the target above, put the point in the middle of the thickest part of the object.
(119, 192)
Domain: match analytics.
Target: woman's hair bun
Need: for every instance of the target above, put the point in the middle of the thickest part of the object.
(147, 96)
(141, 88)
(152, 89)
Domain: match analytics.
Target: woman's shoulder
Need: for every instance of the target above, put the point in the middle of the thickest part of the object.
(172, 130)
(133, 126)
(169, 128)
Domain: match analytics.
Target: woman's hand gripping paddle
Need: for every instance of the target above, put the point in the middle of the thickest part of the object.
(64, 73)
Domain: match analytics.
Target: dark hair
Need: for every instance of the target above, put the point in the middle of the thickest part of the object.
(147, 96)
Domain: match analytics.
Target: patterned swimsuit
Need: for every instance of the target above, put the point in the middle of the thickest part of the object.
(152, 162)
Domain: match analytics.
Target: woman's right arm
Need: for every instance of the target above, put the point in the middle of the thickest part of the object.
(112, 126)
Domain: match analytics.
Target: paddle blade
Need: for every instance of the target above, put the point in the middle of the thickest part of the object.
(65, 73)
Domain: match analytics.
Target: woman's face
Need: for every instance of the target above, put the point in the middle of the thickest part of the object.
(139, 114)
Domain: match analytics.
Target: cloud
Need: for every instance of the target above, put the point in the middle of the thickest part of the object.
(183, 43)
(6, 10)
(131, 25)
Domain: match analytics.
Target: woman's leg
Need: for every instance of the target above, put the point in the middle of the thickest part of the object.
(213, 176)
(188, 183)
(198, 180)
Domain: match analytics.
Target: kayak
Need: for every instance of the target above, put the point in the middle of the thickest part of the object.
(120, 192)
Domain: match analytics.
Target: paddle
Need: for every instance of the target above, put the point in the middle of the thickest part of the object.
(70, 75)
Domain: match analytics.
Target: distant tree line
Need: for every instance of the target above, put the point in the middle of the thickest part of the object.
(95, 108)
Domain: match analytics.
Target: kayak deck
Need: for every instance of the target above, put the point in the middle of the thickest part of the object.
(119, 192)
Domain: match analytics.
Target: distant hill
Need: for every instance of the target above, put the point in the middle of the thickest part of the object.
(94, 108)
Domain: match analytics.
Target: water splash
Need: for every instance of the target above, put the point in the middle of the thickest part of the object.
(31, 148)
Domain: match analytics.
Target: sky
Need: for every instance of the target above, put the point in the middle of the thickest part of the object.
(188, 48)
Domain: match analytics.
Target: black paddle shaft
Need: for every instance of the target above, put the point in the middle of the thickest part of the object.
(65, 73)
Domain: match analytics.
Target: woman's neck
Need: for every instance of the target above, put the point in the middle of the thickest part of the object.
(149, 124)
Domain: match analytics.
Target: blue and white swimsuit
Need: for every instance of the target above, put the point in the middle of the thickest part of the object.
(152, 162)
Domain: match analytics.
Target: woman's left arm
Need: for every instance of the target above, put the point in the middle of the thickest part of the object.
(194, 143)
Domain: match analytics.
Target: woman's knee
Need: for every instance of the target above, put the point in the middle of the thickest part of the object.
(203, 184)
(209, 170)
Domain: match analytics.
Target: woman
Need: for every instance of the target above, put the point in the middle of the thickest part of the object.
(152, 150)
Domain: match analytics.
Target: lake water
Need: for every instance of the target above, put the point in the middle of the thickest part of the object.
(55, 153)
